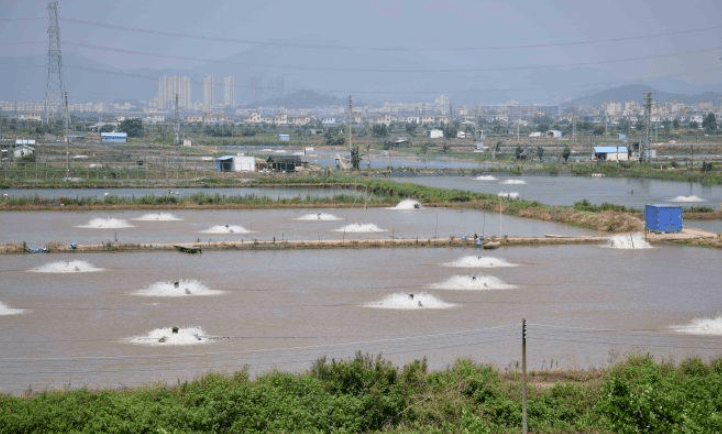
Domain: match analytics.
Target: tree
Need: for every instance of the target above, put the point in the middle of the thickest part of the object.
(710, 123)
(540, 153)
(566, 153)
(380, 130)
(133, 127)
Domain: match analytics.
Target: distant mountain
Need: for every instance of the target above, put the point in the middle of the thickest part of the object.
(635, 92)
(300, 99)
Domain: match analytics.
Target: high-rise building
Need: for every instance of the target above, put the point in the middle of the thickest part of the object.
(169, 88)
(208, 92)
(229, 91)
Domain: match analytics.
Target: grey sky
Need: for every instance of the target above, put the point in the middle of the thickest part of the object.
(449, 34)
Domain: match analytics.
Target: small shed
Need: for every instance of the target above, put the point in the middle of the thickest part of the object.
(235, 163)
(284, 137)
(663, 218)
(224, 163)
(611, 153)
(284, 163)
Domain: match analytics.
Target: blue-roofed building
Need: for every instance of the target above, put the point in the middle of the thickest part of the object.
(611, 153)
(114, 137)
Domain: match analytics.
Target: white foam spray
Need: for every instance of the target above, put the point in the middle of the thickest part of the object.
(158, 217)
(407, 204)
(319, 216)
(410, 301)
(687, 199)
(514, 195)
(226, 229)
(479, 262)
(5, 310)
(360, 228)
(473, 282)
(486, 178)
(628, 241)
(513, 182)
(106, 223)
(172, 336)
(177, 288)
(67, 267)
(702, 326)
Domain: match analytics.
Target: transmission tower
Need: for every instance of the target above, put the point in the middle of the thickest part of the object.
(54, 87)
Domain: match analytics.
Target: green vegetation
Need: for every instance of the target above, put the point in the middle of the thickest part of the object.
(369, 394)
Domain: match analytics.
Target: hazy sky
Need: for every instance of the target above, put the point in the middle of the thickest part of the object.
(673, 39)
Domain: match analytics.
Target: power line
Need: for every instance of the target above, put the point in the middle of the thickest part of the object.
(392, 49)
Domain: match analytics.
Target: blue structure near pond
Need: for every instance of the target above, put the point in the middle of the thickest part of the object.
(663, 218)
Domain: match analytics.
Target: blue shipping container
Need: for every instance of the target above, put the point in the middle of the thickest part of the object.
(663, 218)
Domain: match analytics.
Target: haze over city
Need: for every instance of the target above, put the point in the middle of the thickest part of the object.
(477, 52)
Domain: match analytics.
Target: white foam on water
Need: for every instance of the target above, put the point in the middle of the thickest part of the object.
(165, 336)
(319, 216)
(67, 267)
(479, 262)
(178, 288)
(226, 229)
(509, 194)
(407, 204)
(628, 241)
(158, 217)
(106, 223)
(473, 283)
(687, 199)
(702, 326)
(360, 228)
(410, 301)
(513, 182)
(486, 178)
(6, 310)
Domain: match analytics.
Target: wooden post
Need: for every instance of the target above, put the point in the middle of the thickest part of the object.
(524, 427)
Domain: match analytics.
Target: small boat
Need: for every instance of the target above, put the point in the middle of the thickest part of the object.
(189, 250)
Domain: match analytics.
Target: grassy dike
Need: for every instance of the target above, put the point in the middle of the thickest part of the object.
(369, 394)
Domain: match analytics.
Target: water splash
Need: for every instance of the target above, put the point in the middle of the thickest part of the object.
(473, 283)
(687, 199)
(6, 310)
(172, 336)
(514, 195)
(360, 228)
(486, 178)
(407, 204)
(319, 216)
(628, 241)
(158, 217)
(106, 223)
(513, 182)
(702, 326)
(177, 288)
(226, 229)
(410, 301)
(67, 267)
(479, 262)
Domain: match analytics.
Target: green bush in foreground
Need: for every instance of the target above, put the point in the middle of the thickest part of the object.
(369, 394)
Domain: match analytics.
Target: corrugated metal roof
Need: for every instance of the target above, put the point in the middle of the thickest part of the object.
(610, 149)
(225, 157)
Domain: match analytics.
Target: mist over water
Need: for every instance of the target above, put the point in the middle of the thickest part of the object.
(410, 301)
(360, 228)
(158, 217)
(75, 266)
(167, 337)
(226, 229)
(702, 326)
(473, 282)
(319, 216)
(177, 288)
(106, 223)
(628, 241)
(6, 310)
(479, 262)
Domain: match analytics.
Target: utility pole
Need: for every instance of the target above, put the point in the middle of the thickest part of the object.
(524, 422)
(574, 126)
(647, 127)
(67, 135)
(177, 121)
(54, 86)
